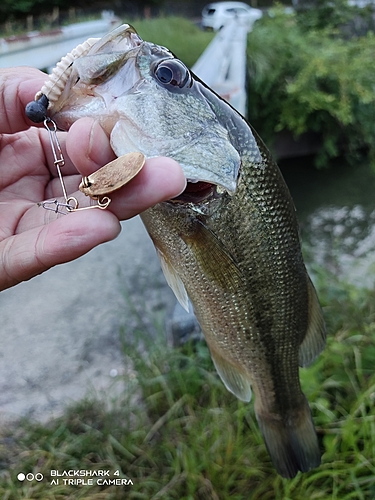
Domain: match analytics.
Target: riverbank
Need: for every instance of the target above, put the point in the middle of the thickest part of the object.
(176, 432)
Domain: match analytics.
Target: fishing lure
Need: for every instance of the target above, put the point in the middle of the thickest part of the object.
(104, 181)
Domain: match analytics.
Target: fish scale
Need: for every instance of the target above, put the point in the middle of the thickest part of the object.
(273, 295)
(229, 242)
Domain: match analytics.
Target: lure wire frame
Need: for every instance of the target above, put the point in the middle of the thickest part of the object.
(71, 203)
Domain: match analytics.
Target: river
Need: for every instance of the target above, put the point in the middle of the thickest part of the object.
(336, 212)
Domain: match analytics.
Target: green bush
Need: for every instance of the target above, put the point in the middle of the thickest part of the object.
(315, 80)
(321, 14)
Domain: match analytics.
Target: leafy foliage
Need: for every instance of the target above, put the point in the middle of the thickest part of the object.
(322, 14)
(10, 9)
(312, 81)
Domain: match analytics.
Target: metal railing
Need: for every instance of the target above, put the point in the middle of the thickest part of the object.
(222, 66)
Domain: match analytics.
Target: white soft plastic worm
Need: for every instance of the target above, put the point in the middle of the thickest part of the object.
(55, 84)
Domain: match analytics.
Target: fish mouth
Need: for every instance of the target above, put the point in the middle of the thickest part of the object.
(196, 192)
(207, 185)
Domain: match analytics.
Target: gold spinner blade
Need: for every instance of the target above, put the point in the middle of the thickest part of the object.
(113, 175)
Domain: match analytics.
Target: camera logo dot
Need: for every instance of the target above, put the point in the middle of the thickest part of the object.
(30, 477)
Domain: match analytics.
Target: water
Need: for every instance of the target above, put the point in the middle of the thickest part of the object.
(336, 211)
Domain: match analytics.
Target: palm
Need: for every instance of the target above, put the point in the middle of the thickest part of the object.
(26, 179)
(32, 239)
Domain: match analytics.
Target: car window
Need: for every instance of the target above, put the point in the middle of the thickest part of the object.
(241, 11)
(236, 10)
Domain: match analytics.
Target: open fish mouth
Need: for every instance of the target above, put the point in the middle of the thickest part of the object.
(196, 192)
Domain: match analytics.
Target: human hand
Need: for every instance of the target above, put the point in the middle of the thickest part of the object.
(33, 239)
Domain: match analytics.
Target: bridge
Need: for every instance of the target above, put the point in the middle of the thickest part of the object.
(44, 49)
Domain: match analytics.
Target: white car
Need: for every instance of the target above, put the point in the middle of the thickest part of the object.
(216, 15)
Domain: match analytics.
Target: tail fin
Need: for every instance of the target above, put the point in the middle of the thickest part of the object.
(291, 441)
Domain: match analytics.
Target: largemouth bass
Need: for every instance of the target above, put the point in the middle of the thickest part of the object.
(229, 242)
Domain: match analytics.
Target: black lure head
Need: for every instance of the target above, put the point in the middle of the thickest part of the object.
(36, 111)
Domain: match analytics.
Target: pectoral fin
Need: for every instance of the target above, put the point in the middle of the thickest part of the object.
(173, 280)
(314, 341)
(214, 259)
(232, 378)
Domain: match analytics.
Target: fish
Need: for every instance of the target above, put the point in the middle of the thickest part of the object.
(229, 243)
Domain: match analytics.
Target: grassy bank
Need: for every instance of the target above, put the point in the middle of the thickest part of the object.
(186, 40)
(176, 433)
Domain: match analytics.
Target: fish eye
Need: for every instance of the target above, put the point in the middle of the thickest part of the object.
(173, 75)
(164, 74)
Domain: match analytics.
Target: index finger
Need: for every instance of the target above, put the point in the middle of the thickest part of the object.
(18, 87)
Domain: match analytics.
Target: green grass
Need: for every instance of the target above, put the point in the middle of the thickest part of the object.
(186, 40)
(178, 434)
